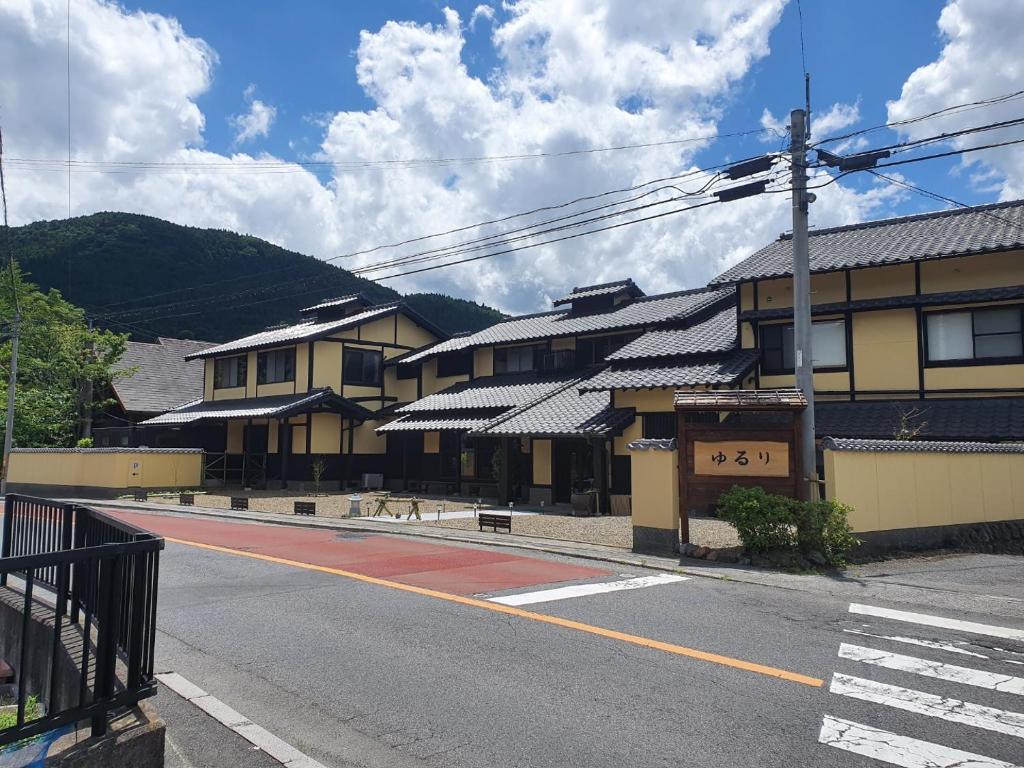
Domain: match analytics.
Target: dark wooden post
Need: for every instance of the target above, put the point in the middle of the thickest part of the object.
(681, 458)
(505, 471)
(284, 446)
(599, 453)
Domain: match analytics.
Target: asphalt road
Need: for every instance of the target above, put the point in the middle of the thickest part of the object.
(381, 653)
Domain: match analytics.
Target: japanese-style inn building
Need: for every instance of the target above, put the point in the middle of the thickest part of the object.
(917, 330)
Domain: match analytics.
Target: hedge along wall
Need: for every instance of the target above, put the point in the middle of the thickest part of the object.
(105, 468)
(899, 485)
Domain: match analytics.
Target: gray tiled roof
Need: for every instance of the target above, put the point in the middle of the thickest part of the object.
(888, 302)
(652, 444)
(564, 412)
(745, 399)
(727, 370)
(973, 418)
(163, 379)
(309, 329)
(341, 301)
(106, 450)
(920, 446)
(716, 334)
(276, 406)
(434, 423)
(980, 229)
(492, 392)
(603, 289)
(648, 310)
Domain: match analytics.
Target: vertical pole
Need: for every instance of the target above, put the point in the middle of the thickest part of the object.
(802, 300)
(11, 384)
(87, 394)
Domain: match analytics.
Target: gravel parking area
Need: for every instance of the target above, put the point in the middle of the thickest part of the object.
(608, 531)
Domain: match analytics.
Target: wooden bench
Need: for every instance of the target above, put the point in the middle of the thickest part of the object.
(494, 521)
(240, 503)
(142, 496)
(187, 499)
(305, 507)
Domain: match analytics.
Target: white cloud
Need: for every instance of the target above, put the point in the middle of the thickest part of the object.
(256, 122)
(573, 74)
(980, 59)
(480, 12)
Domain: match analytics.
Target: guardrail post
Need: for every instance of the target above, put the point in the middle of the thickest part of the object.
(5, 547)
(78, 573)
(106, 640)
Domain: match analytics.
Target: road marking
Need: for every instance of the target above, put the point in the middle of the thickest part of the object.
(581, 590)
(898, 750)
(965, 675)
(939, 621)
(280, 750)
(953, 710)
(611, 634)
(916, 641)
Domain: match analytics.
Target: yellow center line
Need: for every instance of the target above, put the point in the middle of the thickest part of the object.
(644, 642)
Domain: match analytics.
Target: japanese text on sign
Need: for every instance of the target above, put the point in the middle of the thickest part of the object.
(741, 458)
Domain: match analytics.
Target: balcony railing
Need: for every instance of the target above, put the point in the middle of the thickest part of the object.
(94, 574)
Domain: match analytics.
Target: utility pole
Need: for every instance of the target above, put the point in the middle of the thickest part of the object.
(11, 384)
(87, 398)
(804, 359)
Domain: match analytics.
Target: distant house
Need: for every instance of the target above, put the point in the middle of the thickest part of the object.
(162, 380)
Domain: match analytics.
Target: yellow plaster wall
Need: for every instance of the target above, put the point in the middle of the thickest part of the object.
(229, 393)
(567, 343)
(278, 388)
(326, 434)
(968, 272)
(299, 438)
(746, 297)
(885, 349)
(975, 377)
(431, 442)
(431, 382)
(208, 379)
(365, 440)
(891, 491)
(412, 335)
(301, 367)
(272, 436)
(327, 365)
(634, 431)
(403, 389)
(832, 381)
(826, 288)
(106, 469)
(880, 282)
(483, 362)
(747, 336)
(655, 483)
(378, 330)
(542, 462)
(644, 400)
(250, 375)
(234, 436)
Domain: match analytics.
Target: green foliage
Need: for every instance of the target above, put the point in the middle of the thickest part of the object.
(9, 718)
(764, 521)
(768, 523)
(318, 469)
(59, 357)
(84, 442)
(109, 258)
(823, 526)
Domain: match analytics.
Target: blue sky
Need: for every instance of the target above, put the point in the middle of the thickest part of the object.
(202, 93)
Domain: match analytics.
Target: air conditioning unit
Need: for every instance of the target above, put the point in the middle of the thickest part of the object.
(373, 481)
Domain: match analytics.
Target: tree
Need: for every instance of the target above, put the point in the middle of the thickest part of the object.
(58, 357)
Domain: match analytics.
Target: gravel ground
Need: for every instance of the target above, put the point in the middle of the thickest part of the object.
(609, 531)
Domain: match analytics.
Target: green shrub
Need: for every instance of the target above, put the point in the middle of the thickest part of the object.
(823, 526)
(84, 442)
(763, 521)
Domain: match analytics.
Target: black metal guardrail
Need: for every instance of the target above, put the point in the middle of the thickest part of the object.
(102, 575)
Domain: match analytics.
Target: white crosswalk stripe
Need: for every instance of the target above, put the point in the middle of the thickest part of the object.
(928, 668)
(581, 590)
(906, 751)
(899, 750)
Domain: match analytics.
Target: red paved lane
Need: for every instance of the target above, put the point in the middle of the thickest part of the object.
(458, 570)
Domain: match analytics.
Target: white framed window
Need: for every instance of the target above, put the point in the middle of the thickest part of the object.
(778, 348)
(991, 334)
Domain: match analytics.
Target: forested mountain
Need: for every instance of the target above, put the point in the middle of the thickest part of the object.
(151, 277)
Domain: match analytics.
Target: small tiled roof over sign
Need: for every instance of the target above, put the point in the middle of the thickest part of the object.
(741, 399)
(919, 446)
(275, 407)
(604, 289)
(980, 229)
(716, 334)
(564, 413)
(163, 379)
(644, 311)
(725, 371)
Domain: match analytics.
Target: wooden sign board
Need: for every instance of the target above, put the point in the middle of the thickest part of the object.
(741, 458)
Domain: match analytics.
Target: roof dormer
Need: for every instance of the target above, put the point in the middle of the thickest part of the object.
(604, 297)
(336, 309)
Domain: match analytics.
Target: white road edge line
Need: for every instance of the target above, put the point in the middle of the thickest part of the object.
(918, 702)
(965, 675)
(581, 590)
(898, 750)
(280, 750)
(916, 641)
(939, 621)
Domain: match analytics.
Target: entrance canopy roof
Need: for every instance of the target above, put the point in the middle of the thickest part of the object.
(323, 400)
(741, 400)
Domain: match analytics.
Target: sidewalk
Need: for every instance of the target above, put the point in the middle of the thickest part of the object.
(949, 585)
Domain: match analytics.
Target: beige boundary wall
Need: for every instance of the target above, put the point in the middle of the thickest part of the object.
(103, 471)
(896, 486)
